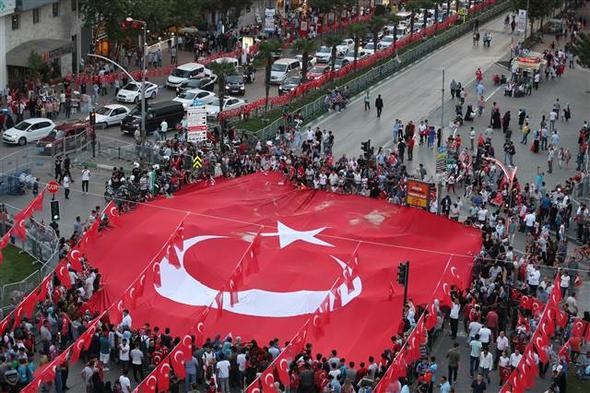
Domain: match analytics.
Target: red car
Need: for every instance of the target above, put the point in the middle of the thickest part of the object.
(317, 71)
(73, 135)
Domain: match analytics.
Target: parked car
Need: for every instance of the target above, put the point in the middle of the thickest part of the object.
(340, 62)
(29, 130)
(204, 83)
(228, 104)
(318, 71)
(350, 55)
(311, 61)
(65, 137)
(344, 46)
(385, 42)
(156, 112)
(281, 68)
(234, 84)
(185, 72)
(131, 92)
(231, 60)
(109, 115)
(369, 49)
(324, 54)
(187, 97)
(290, 83)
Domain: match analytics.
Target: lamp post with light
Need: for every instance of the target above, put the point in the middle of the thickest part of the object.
(143, 71)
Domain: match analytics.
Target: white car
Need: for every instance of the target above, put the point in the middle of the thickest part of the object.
(187, 97)
(369, 48)
(187, 71)
(231, 60)
(324, 54)
(385, 42)
(131, 92)
(311, 61)
(109, 115)
(344, 46)
(350, 54)
(228, 104)
(29, 130)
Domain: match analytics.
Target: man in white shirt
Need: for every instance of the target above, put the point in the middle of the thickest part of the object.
(486, 360)
(241, 361)
(515, 358)
(485, 335)
(474, 328)
(126, 321)
(533, 279)
(136, 363)
(222, 368)
(125, 382)
(454, 317)
(502, 344)
(124, 354)
(529, 221)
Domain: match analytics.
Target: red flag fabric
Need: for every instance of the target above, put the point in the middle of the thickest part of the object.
(163, 375)
(63, 274)
(177, 363)
(140, 284)
(348, 280)
(297, 256)
(540, 347)
(5, 240)
(561, 318)
(337, 297)
(233, 293)
(4, 325)
(155, 271)
(37, 203)
(555, 296)
(391, 291)
(252, 256)
(172, 255)
(178, 238)
(268, 381)
(219, 302)
(317, 325)
(113, 215)
(74, 258)
(526, 302)
(578, 327)
(536, 306)
(19, 229)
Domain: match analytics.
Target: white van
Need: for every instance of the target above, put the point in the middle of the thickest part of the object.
(185, 72)
(281, 68)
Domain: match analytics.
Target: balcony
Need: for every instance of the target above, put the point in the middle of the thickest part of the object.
(26, 5)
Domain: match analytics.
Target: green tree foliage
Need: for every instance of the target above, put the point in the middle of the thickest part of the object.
(538, 9)
(376, 25)
(265, 52)
(332, 41)
(306, 47)
(581, 48)
(357, 31)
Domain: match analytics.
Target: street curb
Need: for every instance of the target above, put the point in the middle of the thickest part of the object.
(105, 167)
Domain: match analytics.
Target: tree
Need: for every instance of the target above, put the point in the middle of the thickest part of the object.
(357, 31)
(537, 9)
(581, 48)
(306, 47)
(394, 20)
(36, 67)
(265, 51)
(332, 41)
(413, 6)
(376, 25)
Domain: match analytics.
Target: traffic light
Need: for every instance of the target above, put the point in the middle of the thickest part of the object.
(54, 210)
(402, 273)
(366, 148)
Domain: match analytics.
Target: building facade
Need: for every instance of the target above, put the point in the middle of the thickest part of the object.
(51, 28)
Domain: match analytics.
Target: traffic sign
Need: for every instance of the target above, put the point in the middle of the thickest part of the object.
(53, 186)
(196, 124)
(197, 162)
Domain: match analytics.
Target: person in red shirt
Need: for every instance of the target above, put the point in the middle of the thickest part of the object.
(492, 322)
(361, 373)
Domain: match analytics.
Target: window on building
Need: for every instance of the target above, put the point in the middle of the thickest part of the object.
(55, 9)
(36, 15)
(15, 22)
(74, 5)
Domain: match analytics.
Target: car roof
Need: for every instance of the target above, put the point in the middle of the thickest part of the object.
(35, 120)
(285, 60)
(197, 91)
(115, 106)
(190, 66)
(72, 125)
(164, 104)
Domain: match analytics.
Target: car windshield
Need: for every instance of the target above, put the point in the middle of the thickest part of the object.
(293, 80)
(131, 87)
(52, 134)
(324, 49)
(340, 61)
(103, 111)
(370, 46)
(317, 70)
(350, 53)
(387, 39)
(180, 73)
(235, 79)
(22, 126)
(187, 95)
(279, 67)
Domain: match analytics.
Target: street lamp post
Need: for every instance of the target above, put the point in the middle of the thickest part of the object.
(143, 72)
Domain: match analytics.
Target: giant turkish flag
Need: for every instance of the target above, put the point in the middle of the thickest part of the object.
(307, 239)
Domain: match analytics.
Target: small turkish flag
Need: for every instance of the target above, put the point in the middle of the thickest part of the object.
(233, 293)
(391, 290)
(63, 274)
(171, 255)
(156, 274)
(19, 230)
(337, 297)
(268, 381)
(74, 259)
(252, 256)
(178, 238)
(219, 302)
(163, 375)
(177, 363)
(37, 203)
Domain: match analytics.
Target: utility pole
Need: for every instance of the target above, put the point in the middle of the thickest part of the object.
(526, 23)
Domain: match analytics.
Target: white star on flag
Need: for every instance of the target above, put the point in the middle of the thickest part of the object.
(289, 235)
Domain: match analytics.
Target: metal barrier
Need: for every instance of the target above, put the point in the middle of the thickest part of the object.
(313, 109)
(42, 244)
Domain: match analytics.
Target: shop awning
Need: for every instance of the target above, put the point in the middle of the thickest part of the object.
(48, 49)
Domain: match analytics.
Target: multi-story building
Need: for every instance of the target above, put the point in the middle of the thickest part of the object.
(51, 28)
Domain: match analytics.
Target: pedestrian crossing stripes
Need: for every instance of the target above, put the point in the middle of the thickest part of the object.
(197, 162)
